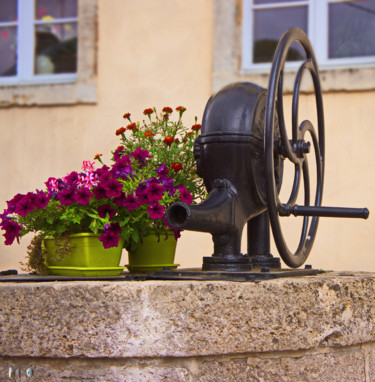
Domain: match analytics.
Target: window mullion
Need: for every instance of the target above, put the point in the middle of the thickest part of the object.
(25, 46)
(247, 34)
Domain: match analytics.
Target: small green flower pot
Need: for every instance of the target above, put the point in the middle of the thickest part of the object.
(153, 254)
(88, 257)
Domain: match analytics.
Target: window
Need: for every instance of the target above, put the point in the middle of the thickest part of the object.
(341, 32)
(38, 41)
(47, 51)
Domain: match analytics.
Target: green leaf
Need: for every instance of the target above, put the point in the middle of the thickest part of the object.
(49, 219)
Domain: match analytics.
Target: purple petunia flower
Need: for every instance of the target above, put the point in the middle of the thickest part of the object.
(141, 196)
(99, 192)
(162, 171)
(12, 231)
(156, 211)
(103, 171)
(71, 179)
(141, 155)
(185, 195)
(41, 200)
(83, 196)
(109, 239)
(66, 196)
(12, 203)
(120, 200)
(106, 209)
(118, 152)
(114, 227)
(131, 202)
(122, 168)
(154, 192)
(113, 188)
(25, 205)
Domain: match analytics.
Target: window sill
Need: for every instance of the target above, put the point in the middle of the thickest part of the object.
(48, 94)
(331, 79)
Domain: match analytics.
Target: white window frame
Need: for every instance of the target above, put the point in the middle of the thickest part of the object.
(25, 48)
(317, 32)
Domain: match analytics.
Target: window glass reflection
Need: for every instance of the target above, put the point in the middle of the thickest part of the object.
(8, 10)
(351, 29)
(269, 26)
(56, 48)
(8, 51)
(55, 9)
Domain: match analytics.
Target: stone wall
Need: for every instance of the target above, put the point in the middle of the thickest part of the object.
(316, 328)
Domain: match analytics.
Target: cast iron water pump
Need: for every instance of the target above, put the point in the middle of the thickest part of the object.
(240, 155)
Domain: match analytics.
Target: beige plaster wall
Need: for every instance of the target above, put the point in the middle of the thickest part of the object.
(158, 53)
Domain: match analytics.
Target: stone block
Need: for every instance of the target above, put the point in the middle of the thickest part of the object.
(185, 318)
(346, 366)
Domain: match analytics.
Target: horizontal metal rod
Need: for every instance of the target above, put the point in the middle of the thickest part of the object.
(332, 212)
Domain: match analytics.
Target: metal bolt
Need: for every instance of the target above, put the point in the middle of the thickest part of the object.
(29, 372)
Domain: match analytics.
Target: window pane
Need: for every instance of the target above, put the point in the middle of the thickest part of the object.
(56, 48)
(8, 10)
(8, 51)
(351, 29)
(55, 9)
(273, 1)
(270, 25)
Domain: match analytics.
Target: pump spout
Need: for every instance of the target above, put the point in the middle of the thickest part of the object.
(221, 215)
(215, 214)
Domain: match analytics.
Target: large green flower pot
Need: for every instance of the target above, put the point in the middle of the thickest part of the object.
(88, 257)
(153, 254)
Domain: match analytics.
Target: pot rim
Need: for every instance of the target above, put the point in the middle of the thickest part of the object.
(73, 235)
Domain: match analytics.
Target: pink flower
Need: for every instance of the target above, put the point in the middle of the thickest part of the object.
(87, 165)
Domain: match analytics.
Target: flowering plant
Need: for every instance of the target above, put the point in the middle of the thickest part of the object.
(151, 169)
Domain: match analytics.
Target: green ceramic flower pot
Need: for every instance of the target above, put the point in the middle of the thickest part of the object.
(88, 257)
(153, 254)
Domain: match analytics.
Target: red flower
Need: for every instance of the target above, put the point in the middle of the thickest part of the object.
(196, 127)
(148, 134)
(120, 131)
(168, 140)
(176, 140)
(148, 111)
(181, 109)
(126, 116)
(97, 156)
(166, 117)
(167, 109)
(132, 126)
(176, 166)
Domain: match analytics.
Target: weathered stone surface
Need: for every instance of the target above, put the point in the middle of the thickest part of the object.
(371, 357)
(347, 364)
(338, 366)
(98, 370)
(185, 318)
